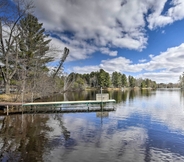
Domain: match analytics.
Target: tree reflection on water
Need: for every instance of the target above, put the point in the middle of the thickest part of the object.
(24, 137)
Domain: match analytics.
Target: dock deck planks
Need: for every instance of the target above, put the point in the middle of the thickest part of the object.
(64, 106)
(69, 102)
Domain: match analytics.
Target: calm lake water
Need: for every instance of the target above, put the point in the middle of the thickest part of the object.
(146, 126)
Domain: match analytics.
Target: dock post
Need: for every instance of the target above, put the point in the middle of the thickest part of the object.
(88, 106)
(101, 99)
(60, 107)
(7, 110)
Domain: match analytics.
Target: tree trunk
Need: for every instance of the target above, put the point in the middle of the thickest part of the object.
(7, 87)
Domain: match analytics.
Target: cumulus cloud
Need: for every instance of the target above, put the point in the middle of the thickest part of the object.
(172, 57)
(159, 19)
(85, 69)
(104, 23)
(161, 77)
(165, 67)
(119, 23)
(119, 64)
(86, 27)
(107, 51)
(78, 50)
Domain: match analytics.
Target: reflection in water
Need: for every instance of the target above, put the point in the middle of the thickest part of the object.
(147, 126)
(22, 137)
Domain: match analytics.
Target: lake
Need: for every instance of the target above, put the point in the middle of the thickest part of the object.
(146, 126)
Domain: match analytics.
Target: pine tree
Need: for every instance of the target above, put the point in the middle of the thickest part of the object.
(103, 78)
(34, 45)
(124, 80)
(116, 79)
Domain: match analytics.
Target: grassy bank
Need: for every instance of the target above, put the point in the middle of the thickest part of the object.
(8, 98)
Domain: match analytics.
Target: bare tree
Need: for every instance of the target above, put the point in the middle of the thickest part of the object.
(9, 38)
(64, 56)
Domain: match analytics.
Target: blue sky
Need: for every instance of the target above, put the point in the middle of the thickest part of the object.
(142, 38)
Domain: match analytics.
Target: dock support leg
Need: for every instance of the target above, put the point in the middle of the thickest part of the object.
(101, 106)
(22, 109)
(7, 110)
(61, 108)
(88, 106)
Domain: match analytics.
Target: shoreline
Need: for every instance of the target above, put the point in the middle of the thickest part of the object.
(16, 98)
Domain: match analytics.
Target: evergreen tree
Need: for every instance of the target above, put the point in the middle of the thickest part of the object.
(108, 80)
(116, 79)
(103, 78)
(148, 83)
(124, 80)
(87, 78)
(143, 84)
(33, 49)
(131, 80)
(33, 43)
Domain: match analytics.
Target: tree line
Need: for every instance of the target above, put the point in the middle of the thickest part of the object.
(103, 79)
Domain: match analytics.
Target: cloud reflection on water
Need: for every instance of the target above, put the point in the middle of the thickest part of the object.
(142, 129)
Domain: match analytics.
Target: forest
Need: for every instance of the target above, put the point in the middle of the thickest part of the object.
(103, 79)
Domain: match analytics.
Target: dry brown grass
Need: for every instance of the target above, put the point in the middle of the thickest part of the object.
(8, 98)
(113, 89)
(17, 97)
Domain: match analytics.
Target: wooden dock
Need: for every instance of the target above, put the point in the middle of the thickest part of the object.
(58, 106)
(10, 104)
(69, 102)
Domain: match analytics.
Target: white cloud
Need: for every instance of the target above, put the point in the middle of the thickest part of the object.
(85, 69)
(165, 67)
(86, 27)
(108, 23)
(103, 22)
(173, 57)
(78, 51)
(174, 13)
(161, 77)
(151, 56)
(142, 60)
(177, 12)
(107, 51)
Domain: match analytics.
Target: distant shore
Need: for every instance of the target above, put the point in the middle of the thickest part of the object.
(120, 89)
(18, 97)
